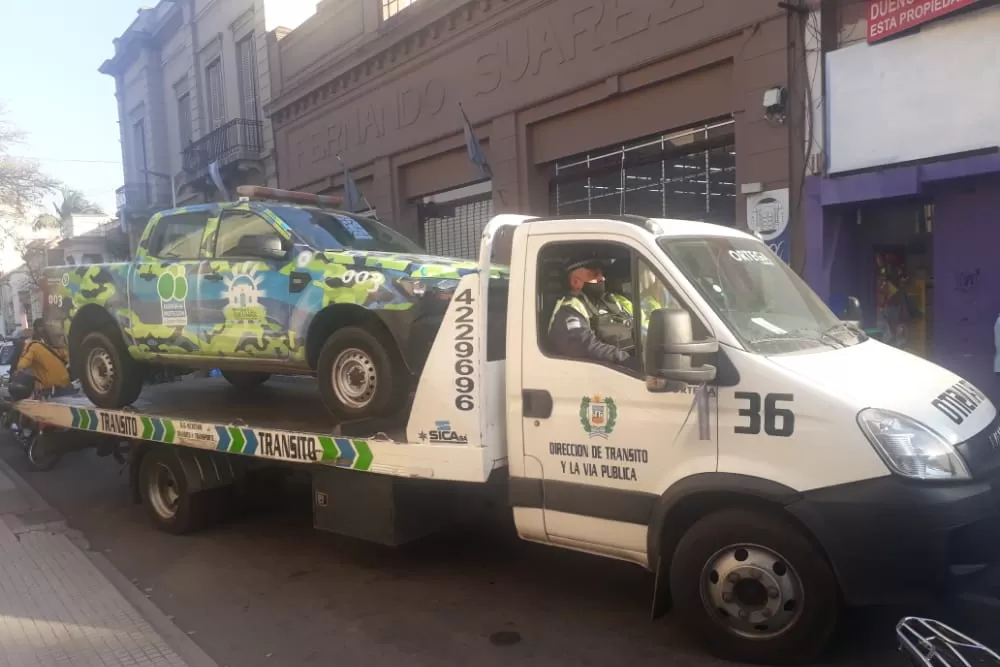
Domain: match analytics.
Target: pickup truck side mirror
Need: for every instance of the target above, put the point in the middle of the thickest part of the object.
(852, 313)
(265, 246)
(670, 345)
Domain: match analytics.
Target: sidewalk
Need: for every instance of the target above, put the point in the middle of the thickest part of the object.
(56, 606)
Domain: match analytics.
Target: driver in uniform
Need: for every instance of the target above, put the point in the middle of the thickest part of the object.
(584, 325)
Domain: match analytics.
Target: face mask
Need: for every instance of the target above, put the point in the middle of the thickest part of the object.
(593, 291)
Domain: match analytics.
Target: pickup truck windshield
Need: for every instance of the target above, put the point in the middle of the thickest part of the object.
(769, 308)
(327, 230)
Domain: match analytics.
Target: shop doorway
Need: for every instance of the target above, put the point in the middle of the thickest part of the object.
(894, 276)
(452, 222)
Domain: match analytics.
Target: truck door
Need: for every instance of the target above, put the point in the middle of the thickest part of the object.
(603, 446)
(164, 284)
(245, 297)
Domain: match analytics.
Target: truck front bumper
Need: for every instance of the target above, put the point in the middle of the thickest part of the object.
(894, 540)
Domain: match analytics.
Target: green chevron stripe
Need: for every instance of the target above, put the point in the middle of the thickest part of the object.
(169, 431)
(84, 420)
(239, 440)
(330, 452)
(147, 428)
(365, 457)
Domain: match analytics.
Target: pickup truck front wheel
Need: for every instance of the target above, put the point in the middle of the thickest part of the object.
(110, 377)
(356, 374)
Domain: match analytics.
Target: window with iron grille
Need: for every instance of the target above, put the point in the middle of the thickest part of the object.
(454, 229)
(216, 95)
(392, 7)
(688, 175)
(246, 61)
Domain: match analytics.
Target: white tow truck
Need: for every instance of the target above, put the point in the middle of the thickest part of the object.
(769, 463)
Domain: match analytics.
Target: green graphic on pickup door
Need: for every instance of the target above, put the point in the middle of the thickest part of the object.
(172, 288)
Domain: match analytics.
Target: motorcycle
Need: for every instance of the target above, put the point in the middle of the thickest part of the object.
(930, 643)
(38, 441)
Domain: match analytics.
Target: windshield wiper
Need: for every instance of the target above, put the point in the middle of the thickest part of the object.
(849, 326)
(804, 334)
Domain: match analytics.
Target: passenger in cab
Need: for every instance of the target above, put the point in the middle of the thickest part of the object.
(583, 325)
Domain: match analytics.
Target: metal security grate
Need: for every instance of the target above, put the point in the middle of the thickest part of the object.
(458, 234)
(688, 174)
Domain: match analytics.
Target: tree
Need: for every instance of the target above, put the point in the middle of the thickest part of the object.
(23, 186)
(73, 202)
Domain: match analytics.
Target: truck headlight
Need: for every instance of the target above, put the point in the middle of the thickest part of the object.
(911, 449)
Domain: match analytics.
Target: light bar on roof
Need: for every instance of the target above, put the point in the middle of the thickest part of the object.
(275, 194)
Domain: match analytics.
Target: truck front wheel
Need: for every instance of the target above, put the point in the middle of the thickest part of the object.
(755, 588)
(110, 377)
(356, 375)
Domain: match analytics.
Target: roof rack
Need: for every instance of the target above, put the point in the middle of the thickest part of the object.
(260, 193)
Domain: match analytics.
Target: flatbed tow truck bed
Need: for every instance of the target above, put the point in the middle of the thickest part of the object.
(201, 422)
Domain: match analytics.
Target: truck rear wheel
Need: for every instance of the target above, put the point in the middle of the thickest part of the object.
(111, 378)
(245, 380)
(357, 379)
(755, 588)
(165, 494)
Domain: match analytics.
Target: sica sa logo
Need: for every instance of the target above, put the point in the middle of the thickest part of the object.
(442, 433)
(598, 416)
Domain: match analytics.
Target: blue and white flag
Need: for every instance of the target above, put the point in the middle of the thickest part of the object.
(213, 171)
(475, 150)
(352, 195)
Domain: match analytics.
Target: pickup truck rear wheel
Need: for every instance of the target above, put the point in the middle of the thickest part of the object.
(111, 378)
(755, 588)
(357, 379)
(245, 380)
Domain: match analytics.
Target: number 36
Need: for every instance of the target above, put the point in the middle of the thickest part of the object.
(778, 422)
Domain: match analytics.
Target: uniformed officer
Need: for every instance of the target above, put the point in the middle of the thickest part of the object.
(582, 324)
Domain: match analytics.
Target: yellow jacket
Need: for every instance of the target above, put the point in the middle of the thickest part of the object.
(48, 365)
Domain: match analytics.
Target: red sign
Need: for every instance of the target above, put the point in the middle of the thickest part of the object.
(889, 17)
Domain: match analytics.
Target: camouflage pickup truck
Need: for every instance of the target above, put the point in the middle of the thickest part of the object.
(277, 282)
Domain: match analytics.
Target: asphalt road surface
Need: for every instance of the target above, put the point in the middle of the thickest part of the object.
(266, 590)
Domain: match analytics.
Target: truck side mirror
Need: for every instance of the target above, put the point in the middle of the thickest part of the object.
(852, 312)
(670, 345)
(265, 246)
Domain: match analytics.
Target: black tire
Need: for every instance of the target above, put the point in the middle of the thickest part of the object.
(814, 617)
(125, 383)
(191, 511)
(245, 381)
(378, 367)
(39, 453)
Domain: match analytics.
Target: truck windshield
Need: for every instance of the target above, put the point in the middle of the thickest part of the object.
(329, 230)
(769, 308)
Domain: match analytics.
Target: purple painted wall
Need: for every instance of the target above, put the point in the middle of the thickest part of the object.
(967, 279)
(966, 238)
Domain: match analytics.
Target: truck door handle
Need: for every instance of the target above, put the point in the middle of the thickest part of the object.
(536, 403)
(212, 276)
(298, 281)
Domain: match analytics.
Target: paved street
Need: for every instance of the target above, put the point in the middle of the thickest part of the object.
(268, 590)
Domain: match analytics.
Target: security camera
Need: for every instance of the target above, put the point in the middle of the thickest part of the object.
(774, 103)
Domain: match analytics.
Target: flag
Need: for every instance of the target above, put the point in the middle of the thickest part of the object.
(476, 155)
(352, 196)
(213, 170)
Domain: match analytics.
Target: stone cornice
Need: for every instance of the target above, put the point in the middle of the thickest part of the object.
(390, 49)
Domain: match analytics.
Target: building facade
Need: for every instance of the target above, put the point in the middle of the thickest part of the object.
(581, 107)
(191, 78)
(908, 203)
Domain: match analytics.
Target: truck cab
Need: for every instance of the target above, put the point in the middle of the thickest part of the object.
(764, 459)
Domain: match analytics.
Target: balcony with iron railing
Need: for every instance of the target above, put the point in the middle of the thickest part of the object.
(239, 139)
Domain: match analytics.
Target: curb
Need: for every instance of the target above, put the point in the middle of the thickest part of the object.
(177, 639)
